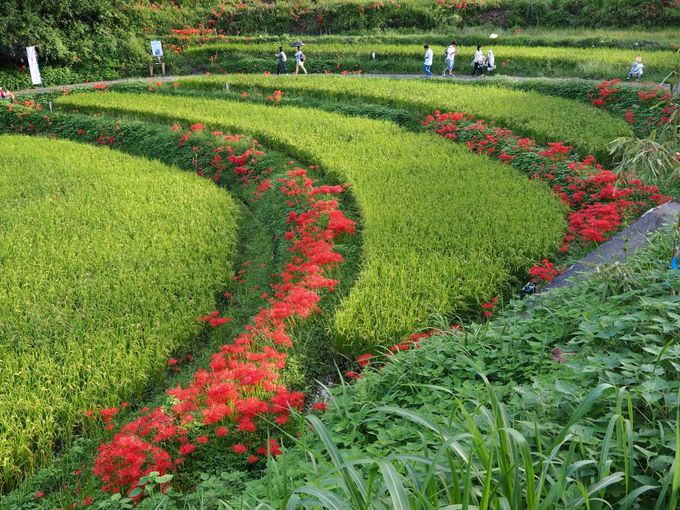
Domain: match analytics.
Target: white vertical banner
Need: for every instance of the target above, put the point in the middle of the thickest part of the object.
(33, 65)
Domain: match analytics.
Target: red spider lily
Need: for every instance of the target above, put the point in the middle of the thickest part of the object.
(630, 118)
(545, 271)
(240, 391)
(600, 201)
(320, 406)
(364, 360)
(239, 449)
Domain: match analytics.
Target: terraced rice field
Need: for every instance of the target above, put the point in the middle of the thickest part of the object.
(106, 260)
(342, 238)
(443, 230)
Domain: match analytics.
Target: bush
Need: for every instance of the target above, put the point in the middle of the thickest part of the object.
(107, 260)
(437, 247)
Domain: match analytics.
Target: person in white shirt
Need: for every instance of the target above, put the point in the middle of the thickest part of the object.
(428, 61)
(478, 62)
(636, 69)
(490, 61)
(299, 60)
(450, 58)
(281, 56)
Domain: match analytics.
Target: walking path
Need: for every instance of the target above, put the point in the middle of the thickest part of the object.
(622, 246)
(459, 78)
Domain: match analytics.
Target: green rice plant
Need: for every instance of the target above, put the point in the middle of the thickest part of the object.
(548, 119)
(105, 262)
(443, 230)
(555, 62)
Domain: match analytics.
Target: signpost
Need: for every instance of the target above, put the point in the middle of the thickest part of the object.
(33, 65)
(157, 53)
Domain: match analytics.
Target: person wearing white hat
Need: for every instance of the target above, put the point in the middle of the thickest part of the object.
(490, 61)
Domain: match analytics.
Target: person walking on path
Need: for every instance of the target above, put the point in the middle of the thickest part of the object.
(490, 61)
(478, 62)
(299, 60)
(281, 68)
(450, 58)
(428, 61)
(636, 69)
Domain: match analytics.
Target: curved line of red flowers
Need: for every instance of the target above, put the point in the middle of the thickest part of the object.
(241, 390)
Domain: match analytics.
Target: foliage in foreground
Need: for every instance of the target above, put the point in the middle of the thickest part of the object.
(429, 244)
(589, 383)
(107, 260)
(548, 119)
(568, 400)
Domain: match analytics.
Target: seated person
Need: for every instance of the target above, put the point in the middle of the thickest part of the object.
(636, 69)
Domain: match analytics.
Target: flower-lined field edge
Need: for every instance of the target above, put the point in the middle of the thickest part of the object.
(257, 357)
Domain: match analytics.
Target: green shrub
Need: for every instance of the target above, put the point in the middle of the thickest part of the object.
(106, 262)
(443, 230)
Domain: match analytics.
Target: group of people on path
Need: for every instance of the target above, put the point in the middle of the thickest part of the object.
(479, 64)
(282, 67)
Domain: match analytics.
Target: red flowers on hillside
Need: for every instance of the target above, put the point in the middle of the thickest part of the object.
(234, 399)
(545, 271)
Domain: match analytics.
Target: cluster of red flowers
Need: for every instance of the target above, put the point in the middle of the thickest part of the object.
(275, 97)
(600, 201)
(644, 108)
(545, 271)
(489, 306)
(231, 402)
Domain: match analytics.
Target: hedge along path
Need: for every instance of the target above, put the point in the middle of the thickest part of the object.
(106, 260)
(443, 229)
(548, 119)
